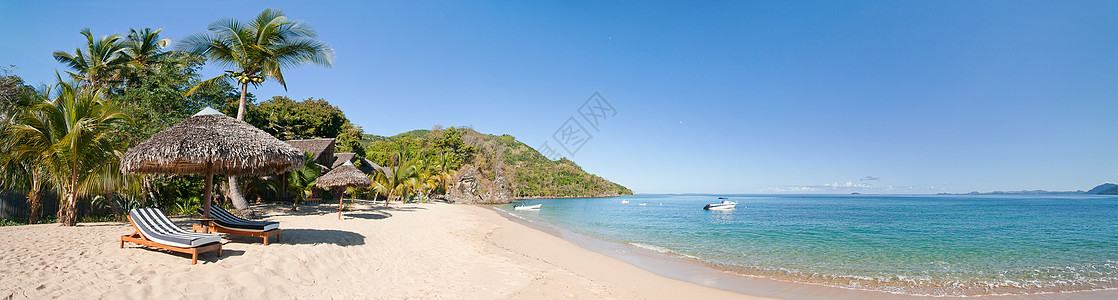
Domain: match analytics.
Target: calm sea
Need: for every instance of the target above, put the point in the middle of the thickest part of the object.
(916, 245)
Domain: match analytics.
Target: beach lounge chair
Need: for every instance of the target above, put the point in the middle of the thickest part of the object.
(153, 229)
(225, 222)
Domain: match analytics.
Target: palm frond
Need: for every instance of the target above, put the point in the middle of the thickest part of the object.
(205, 84)
(266, 45)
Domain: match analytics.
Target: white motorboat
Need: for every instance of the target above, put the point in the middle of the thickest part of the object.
(528, 207)
(724, 205)
(643, 204)
(624, 201)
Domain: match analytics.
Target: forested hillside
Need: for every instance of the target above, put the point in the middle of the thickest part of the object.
(490, 168)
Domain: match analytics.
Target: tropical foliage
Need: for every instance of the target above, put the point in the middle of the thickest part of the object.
(85, 124)
(69, 139)
(301, 181)
(12, 91)
(289, 119)
(395, 180)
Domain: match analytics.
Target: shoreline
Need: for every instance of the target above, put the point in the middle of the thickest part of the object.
(679, 267)
(572, 197)
(431, 250)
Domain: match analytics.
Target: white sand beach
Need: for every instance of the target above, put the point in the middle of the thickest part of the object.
(405, 251)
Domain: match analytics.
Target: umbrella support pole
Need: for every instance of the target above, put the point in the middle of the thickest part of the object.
(209, 195)
(341, 201)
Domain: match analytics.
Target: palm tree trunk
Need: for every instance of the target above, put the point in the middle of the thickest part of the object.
(117, 210)
(235, 196)
(241, 104)
(68, 213)
(237, 199)
(34, 197)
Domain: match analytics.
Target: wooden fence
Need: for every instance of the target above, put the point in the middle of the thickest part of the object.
(13, 204)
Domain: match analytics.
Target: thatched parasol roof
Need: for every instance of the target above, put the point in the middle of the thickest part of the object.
(228, 145)
(345, 175)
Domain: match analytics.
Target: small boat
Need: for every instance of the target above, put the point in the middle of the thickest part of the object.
(643, 204)
(624, 201)
(722, 198)
(528, 207)
(724, 205)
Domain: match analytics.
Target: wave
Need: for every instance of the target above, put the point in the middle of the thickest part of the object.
(928, 285)
(1066, 279)
(663, 250)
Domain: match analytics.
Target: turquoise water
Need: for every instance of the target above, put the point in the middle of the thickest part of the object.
(917, 245)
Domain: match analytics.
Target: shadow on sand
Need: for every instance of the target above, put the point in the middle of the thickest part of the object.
(368, 216)
(320, 236)
(209, 257)
(394, 208)
(329, 207)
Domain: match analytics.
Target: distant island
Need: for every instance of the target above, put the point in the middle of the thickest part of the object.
(493, 168)
(1102, 189)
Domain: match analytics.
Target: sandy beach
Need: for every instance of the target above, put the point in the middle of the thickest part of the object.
(405, 251)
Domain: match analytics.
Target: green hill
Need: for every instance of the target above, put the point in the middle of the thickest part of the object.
(491, 168)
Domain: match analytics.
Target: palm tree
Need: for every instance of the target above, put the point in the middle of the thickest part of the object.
(26, 176)
(103, 62)
(302, 180)
(144, 46)
(422, 179)
(21, 169)
(258, 51)
(393, 180)
(73, 138)
(444, 175)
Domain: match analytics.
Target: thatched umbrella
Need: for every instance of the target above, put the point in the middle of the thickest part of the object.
(211, 143)
(345, 175)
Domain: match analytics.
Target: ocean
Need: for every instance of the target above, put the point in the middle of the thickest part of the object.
(950, 245)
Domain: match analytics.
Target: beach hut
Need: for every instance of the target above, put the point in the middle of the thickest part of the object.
(211, 143)
(345, 175)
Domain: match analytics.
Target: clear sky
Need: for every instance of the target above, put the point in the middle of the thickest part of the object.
(731, 97)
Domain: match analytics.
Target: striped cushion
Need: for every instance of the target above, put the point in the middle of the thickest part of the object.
(156, 227)
(228, 220)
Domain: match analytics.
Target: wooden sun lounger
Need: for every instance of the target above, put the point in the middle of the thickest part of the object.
(155, 230)
(225, 222)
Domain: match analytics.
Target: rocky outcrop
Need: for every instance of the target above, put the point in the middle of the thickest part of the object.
(471, 186)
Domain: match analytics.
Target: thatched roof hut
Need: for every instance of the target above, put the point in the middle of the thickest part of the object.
(322, 150)
(342, 157)
(367, 166)
(211, 140)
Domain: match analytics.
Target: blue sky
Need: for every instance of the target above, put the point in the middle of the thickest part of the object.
(718, 97)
